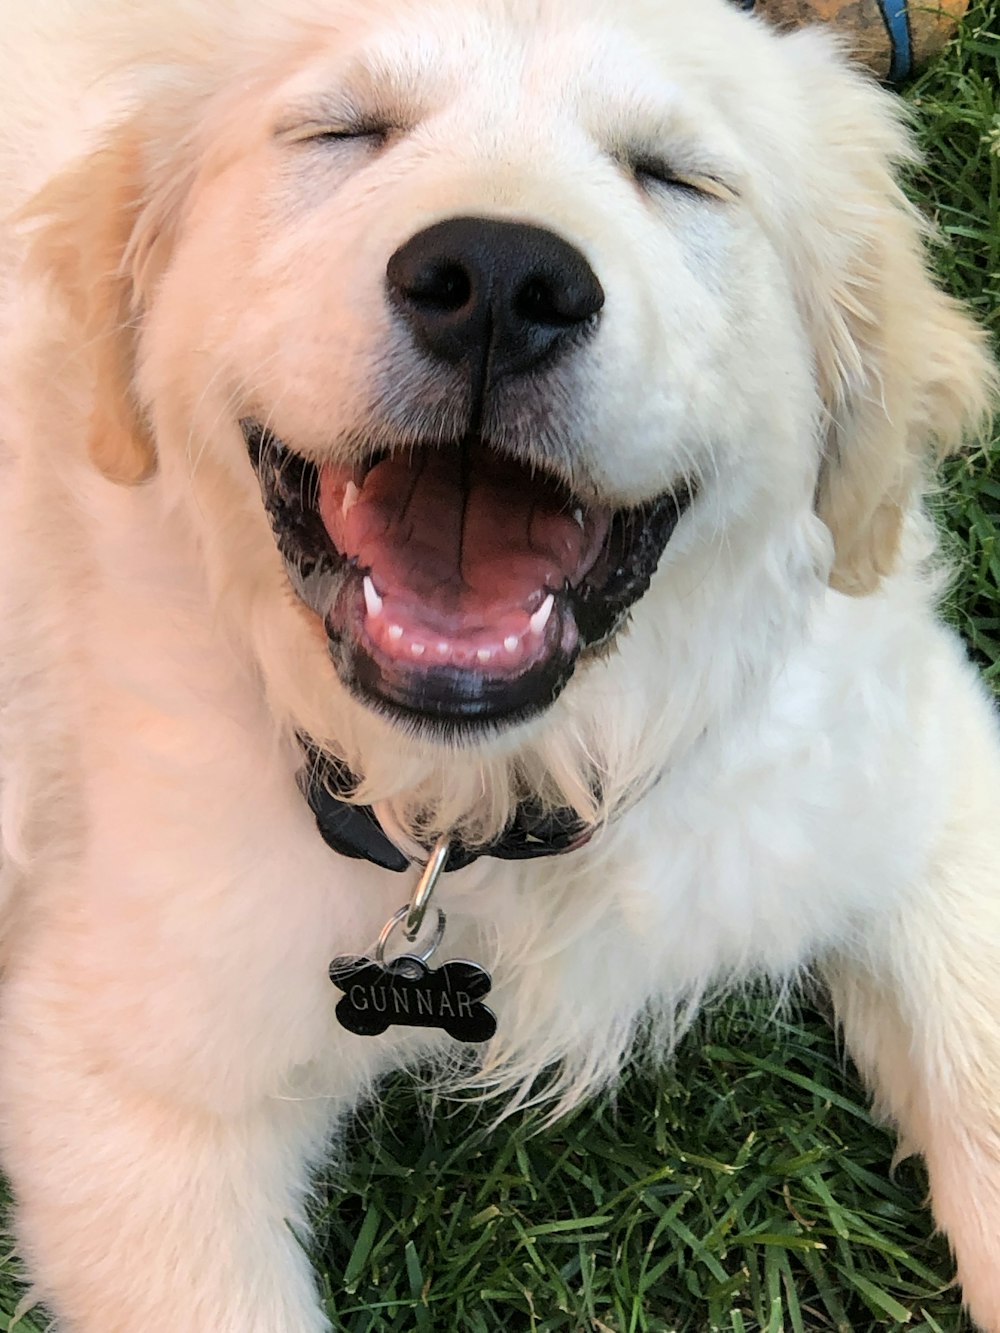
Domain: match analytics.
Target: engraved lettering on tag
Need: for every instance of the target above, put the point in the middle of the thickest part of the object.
(409, 993)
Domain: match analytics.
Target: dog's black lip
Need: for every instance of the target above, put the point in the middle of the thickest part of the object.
(451, 695)
(454, 700)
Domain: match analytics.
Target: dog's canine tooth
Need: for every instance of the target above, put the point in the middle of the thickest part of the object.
(372, 600)
(351, 494)
(541, 617)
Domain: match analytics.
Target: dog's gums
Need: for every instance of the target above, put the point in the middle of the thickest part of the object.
(457, 585)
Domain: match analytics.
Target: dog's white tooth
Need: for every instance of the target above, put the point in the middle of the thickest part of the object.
(395, 632)
(578, 517)
(512, 643)
(541, 617)
(372, 600)
(418, 649)
(443, 650)
(351, 494)
(485, 655)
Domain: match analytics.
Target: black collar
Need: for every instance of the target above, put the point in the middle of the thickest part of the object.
(354, 830)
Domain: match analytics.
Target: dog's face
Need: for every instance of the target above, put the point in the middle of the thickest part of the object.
(507, 324)
(487, 295)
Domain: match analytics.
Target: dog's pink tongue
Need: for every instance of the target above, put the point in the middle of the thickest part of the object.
(458, 544)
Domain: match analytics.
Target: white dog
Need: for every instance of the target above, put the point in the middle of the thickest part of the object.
(490, 425)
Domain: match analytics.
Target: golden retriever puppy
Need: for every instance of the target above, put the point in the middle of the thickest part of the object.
(485, 430)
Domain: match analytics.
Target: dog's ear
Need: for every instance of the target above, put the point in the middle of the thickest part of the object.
(904, 373)
(100, 243)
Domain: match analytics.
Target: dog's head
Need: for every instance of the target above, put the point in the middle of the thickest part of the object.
(514, 353)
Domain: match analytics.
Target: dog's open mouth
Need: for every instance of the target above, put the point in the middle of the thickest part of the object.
(456, 584)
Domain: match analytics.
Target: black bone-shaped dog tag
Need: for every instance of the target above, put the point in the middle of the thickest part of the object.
(407, 992)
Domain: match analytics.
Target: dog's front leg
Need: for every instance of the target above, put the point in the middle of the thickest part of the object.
(139, 1216)
(945, 1101)
(920, 1009)
(139, 1211)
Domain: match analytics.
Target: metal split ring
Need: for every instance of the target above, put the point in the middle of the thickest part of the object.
(397, 919)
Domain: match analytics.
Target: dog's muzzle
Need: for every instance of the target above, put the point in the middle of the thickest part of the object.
(460, 583)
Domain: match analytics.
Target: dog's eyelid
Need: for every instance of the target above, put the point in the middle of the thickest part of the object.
(659, 171)
(341, 116)
(323, 132)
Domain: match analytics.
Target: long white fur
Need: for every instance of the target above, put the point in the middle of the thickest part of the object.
(794, 774)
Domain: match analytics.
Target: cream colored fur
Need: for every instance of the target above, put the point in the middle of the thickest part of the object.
(792, 776)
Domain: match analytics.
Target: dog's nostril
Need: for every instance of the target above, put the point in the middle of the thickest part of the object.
(540, 301)
(536, 301)
(444, 286)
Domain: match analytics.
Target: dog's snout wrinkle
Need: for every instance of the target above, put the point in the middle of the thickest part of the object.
(505, 295)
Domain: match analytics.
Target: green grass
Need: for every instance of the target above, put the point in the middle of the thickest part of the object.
(958, 103)
(745, 1188)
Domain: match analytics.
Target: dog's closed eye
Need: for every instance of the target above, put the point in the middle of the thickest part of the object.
(373, 133)
(653, 172)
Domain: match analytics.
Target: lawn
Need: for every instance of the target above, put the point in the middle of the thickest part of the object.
(745, 1188)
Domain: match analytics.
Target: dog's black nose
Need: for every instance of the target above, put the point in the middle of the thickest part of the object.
(504, 295)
